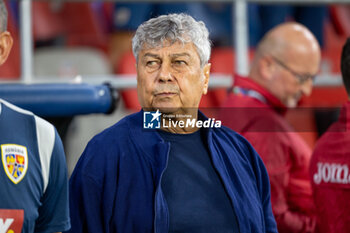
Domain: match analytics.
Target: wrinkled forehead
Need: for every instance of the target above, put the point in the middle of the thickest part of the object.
(165, 41)
(171, 47)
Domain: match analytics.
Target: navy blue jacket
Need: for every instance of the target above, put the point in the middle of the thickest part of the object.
(115, 186)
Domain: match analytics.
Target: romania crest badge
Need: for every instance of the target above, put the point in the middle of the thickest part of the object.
(15, 161)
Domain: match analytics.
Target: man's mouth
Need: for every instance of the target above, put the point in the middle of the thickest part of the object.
(165, 94)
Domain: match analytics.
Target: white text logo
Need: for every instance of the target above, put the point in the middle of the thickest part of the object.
(4, 226)
(332, 173)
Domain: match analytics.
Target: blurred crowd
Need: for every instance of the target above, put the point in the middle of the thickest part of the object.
(108, 26)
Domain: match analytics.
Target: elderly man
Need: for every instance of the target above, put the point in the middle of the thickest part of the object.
(329, 167)
(185, 174)
(282, 72)
(33, 176)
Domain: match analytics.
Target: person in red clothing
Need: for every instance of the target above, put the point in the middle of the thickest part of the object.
(329, 167)
(282, 71)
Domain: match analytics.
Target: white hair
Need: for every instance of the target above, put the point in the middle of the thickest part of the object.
(3, 16)
(172, 28)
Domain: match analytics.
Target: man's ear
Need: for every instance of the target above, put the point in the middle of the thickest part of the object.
(6, 42)
(206, 75)
(266, 67)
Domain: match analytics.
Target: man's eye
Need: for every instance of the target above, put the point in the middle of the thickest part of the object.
(180, 62)
(151, 63)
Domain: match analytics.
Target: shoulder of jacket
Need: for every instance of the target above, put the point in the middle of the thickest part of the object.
(15, 108)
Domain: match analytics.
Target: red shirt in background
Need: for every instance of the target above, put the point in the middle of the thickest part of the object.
(329, 170)
(259, 116)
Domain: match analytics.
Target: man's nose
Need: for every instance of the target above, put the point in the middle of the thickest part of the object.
(306, 88)
(165, 73)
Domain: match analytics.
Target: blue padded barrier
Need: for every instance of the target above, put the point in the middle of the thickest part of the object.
(51, 100)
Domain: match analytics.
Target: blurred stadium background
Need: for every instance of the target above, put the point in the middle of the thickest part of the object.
(72, 62)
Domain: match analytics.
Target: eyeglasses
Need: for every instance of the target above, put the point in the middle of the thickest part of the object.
(302, 78)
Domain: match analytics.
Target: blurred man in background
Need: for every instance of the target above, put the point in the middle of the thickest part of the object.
(286, 60)
(329, 168)
(33, 175)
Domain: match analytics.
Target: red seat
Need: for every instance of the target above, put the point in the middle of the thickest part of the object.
(222, 61)
(336, 31)
(47, 24)
(127, 66)
(340, 16)
(83, 25)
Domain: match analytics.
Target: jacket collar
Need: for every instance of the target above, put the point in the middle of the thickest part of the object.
(247, 83)
(152, 144)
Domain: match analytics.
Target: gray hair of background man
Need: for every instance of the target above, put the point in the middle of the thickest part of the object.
(172, 28)
(3, 16)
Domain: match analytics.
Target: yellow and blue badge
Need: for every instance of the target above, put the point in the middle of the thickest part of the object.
(15, 161)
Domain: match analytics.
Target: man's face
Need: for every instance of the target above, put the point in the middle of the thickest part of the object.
(287, 81)
(170, 78)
